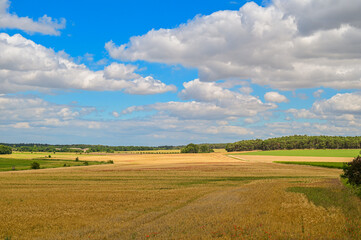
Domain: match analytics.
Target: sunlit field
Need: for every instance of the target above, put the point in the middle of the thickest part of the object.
(177, 196)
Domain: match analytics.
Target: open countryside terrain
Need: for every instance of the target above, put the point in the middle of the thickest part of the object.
(178, 196)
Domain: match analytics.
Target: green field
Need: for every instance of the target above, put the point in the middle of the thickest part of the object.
(7, 164)
(307, 153)
(315, 164)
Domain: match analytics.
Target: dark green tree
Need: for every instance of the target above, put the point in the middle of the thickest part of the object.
(5, 149)
(35, 165)
(352, 171)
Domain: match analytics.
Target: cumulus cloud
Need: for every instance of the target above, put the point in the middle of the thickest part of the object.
(275, 97)
(347, 103)
(208, 101)
(24, 110)
(25, 65)
(341, 110)
(44, 25)
(287, 45)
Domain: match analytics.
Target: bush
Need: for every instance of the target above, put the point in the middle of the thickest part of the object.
(110, 161)
(86, 163)
(76, 159)
(352, 171)
(35, 165)
(5, 150)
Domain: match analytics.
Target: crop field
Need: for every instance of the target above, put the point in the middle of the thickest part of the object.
(177, 196)
(306, 153)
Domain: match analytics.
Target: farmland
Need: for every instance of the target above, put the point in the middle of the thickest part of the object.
(178, 196)
(307, 153)
(22, 161)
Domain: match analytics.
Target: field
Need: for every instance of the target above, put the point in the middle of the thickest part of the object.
(21, 161)
(338, 165)
(178, 196)
(306, 153)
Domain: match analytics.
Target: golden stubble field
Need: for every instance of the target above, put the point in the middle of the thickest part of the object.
(179, 196)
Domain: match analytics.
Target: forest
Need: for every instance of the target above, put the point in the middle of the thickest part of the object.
(297, 142)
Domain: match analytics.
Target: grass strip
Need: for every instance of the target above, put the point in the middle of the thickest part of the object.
(337, 165)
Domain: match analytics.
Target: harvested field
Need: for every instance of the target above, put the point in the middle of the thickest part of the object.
(180, 196)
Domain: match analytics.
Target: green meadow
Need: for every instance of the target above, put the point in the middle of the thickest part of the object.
(10, 164)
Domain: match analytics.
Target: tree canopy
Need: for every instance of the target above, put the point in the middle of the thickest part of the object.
(5, 149)
(352, 171)
(193, 148)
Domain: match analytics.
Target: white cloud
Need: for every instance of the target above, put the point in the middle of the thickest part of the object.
(44, 25)
(287, 45)
(318, 93)
(20, 125)
(115, 114)
(246, 90)
(347, 103)
(29, 109)
(275, 97)
(341, 111)
(25, 65)
(302, 113)
(209, 101)
(120, 71)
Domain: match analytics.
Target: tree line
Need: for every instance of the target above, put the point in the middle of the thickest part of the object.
(296, 142)
(35, 147)
(32, 147)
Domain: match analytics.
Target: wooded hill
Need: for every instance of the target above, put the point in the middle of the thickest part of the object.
(296, 142)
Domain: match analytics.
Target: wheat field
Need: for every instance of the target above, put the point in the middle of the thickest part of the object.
(177, 196)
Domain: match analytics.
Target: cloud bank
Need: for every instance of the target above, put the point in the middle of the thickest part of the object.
(25, 65)
(208, 101)
(289, 44)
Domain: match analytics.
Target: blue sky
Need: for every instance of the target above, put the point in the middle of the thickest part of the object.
(174, 72)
